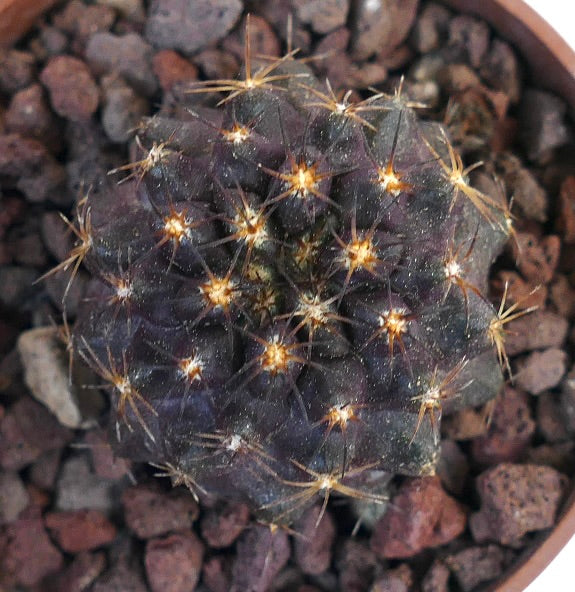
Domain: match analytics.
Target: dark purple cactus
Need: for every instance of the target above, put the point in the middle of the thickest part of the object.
(289, 292)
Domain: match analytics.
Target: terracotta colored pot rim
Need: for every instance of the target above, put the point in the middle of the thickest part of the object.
(551, 64)
(17, 16)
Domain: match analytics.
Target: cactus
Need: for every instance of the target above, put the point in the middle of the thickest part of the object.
(289, 292)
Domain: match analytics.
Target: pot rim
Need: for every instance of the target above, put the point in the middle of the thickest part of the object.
(551, 63)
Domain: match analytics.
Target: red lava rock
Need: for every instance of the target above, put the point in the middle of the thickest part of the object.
(174, 563)
(543, 126)
(355, 563)
(171, 69)
(29, 115)
(516, 499)
(82, 572)
(104, 461)
(222, 525)
(128, 56)
(537, 330)
(149, 512)
(436, 579)
(542, 370)
(510, 431)
(464, 424)
(475, 565)
(312, 551)
(421, 515)
(82, 20)
(536, 258)
(562, 296)
(551, 418)
(216, 574)
(500, 70)
(565, 219)
(124, 576)
(429, 28)
(323, 15)
(471, 35)
(13, 496)
(28, 554)
(453, 467)
(399, 579)
(190, 26)
(73, 92)
(80, 530)
(380, 27)
(261, 554)
(17, 69)
(15, 451)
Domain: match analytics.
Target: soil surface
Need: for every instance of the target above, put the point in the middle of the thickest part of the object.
(72, 517)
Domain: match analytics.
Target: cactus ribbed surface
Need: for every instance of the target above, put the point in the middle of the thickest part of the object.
(291, 293)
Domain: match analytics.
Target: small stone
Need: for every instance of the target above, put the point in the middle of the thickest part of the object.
(27, 552)
(537, 330)
(171, 69)
(46, 374)
(430, 28)
(73, 92)
(190, 26)
(312, 552)
(537, 258)
(80, 530)
(16, 285)
(516, 499)
(128, 56)
(223, 524)
(174, 563)
(562, 296)
(83, 20)
(355, 564)
(150, 512)
(456, 78)
(379, 27)
(476, 565)
(421, 515)
(323, 15)
(54, 41)
(13, 496)
(29, 115)
(261, 555)
(551, 418)
(452, 467)
(436, 578)
(82, 572)
(399, 579)
(123, 109)
(45, 469)
(500, 70)
(217, 64)
(510, 431)
(133, 10)
(543, 126)
(471, 36)
(124, 576)
(519, 291)
(106, 464)
(567, 399)
(542, 370)
(560, 456)
(464, 424)
(17, 70)
(216, 574)
(565, 219)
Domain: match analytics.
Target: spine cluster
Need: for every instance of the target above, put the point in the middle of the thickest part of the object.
(290, 292)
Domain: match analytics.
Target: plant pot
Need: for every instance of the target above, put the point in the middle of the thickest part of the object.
(552, 66)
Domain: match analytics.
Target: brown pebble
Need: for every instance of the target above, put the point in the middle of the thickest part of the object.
(262, 552)
(562, 296)
(355, 564)
(174, 563)
(380, 27)
(510, 431)
(128, 56)
(429, 28)
(471, 36)
(421, 515)
(190, 26)
(216, 573)
(13, 496)
(312, 551)
(475, 565)
(124, 576)
(537, 258)
(541, 370)
(551, 420)
(106, 464)
(323, 15)
(543, 125)
(560, 456)
(150, 512)
(500, 70)
(516, 499)
(82, 572)
(217, 64)
(27, 552)
(452, 467)
(519, 291)
(81, 20)
(17, 70)
(45, 469)
(73, 92)
(399, 579)
(80, 530)
(537, 330)
(567, 399)
(464, 424)
(455, 78)
(436, 578)
(223, 524)
(565, 219)
(171, 69)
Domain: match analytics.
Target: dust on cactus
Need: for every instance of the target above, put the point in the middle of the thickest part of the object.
(289, 292)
